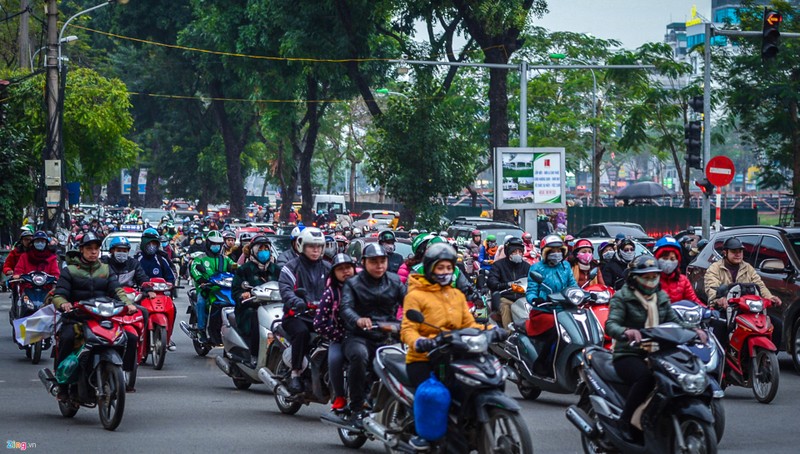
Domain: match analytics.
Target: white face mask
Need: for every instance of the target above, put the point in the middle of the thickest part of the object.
(627, 255)
(515, 258)
(667, 266)
(554, 258)
(120, 256)
(608, 255)
(388, 247)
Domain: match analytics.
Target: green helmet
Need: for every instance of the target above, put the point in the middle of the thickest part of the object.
(421, 242)
(491, 238)
(215, 237)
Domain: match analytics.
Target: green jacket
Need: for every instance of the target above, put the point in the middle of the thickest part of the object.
(627, 312)
(211, 265)
(82, 280)
(250, 273)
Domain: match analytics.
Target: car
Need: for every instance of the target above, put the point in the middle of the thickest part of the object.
(764, 248)
(402, 246)
(154, 215)
(462, 233)
(612, 229)
(280, 243)
(596, 242)
(135, 238)
(380, 218)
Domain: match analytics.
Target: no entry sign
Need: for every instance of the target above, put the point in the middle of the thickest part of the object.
(719, 171)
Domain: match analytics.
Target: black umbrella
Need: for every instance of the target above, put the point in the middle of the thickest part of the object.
(643, 190)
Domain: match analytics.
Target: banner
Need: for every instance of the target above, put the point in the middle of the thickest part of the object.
(530, 178)
(125, 178)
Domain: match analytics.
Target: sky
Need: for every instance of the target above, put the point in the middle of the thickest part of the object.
(633, 22)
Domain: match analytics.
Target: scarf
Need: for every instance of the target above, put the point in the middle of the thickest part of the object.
(261, 266)
(650, 303)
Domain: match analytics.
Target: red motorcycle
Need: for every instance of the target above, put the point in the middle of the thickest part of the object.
(160, 321)
(751, 360)
(599, 305)
(95, 373)
(134, 324)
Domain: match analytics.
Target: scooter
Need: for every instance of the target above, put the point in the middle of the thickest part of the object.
(161, 320)
(576, 328)
(134, 324)
(599, 305)
(675, 418)
(751, 360)
(97, 379)
(481, 416)
(219, 290)
(235, 360)
(32, 289)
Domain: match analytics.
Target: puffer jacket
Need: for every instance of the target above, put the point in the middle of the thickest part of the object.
(34, 260)
(442, 306)
(614, 272)
(505, 271)
(82, 280)
(365, 296)
(678, 288)
(557, 277)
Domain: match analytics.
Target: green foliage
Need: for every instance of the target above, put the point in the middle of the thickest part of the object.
(19, 176)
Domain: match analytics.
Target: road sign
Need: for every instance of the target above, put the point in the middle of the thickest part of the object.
(719, 171)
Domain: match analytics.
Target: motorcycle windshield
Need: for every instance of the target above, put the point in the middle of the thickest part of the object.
(581, 327)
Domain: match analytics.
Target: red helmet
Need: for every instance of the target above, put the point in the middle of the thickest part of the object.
(476, 232)
(526, 237)
(582, 243)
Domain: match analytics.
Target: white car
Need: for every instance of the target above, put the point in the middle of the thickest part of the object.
(135, 238)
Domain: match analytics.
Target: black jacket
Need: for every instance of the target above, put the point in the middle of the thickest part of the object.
(128, 274)
(286, 257)
(505, 271)
(301, 272)
(83, 281)
(615, 271)
(395, 260)
(365, 296)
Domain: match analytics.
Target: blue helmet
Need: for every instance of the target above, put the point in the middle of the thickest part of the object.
(41, 235)
(667, 242)
(150, 234)
(119, 241)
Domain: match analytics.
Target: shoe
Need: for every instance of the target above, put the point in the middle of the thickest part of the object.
(339, 404)
(63, 393)
(295, 385)
(419, 443)
(626, 430)
(202, 337)
(172, 347)
(130, 389)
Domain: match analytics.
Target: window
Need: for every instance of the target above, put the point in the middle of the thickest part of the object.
(750, 243)
(772, 248)
(364, 216)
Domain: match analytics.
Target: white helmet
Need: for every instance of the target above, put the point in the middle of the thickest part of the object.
(310, 236)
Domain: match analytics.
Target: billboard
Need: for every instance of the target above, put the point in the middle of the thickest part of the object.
(125, 177)
(530, 178)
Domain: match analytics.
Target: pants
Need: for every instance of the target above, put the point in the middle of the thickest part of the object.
(505, 312)
(202, 311)
(129, 359)
(418, 372)
(247, 324)
(336, 368)
(633, 370)
(299, 332)
(66, 342)
(359, 352)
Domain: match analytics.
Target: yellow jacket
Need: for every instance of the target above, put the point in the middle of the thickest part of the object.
(445, 307)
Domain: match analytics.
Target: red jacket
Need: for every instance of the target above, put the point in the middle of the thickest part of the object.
(38, 261)
(12, 259)
(678, 288)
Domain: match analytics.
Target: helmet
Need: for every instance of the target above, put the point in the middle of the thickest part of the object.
(604, 245)
(330, 246)
(342, 259)
(526, 237)
(513, 243)
(163, 238)
(260, 239)
(341, 239)
(413, 232)
(582, 243)
(244, 237)
(491, 238)
(665, 244)
(295, 233)
(149, 235)
(732, 243)
(475, 232)
(25, 233)
(435, 254)
(119, 241)
(214, 237)
(418, 240)
(310, 236)
(89, 238)
(552, 241)
(40, 235)
(644, 264)
(373, 250)
(228, 234)
(701, 244)
(386, 235)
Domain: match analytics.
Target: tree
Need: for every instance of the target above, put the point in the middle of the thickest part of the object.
(19, 165)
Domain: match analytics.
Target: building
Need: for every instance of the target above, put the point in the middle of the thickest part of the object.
(676, 37)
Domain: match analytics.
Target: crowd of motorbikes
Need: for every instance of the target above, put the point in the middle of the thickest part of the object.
(684, 413)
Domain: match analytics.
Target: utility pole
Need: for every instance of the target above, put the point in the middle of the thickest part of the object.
(52, 152)
(23, 38)
(706, 211)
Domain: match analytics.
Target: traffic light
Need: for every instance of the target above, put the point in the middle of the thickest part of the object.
(694, 142)
(705, 186)
(697, 104)
(770, 34)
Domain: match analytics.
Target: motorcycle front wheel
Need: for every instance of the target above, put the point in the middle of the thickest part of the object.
(36, 352)
(505, 432)
(528, 391)
(159, 346)
(698, 435)
(111, 404)
(765, 375)
(286, 406)
(718, 410)
(199, 348)
(67, 409)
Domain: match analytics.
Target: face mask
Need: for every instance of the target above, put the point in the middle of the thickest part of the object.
(554, 258)
(585, 257)
(515, 258)
(164, 245)
(443, 279)
(627, 255)
(120, 256)
(263, 256)
(198, 241)
(389, 248)
(667, 266)
(608, 255)
(39, 245)
(150, 249)
(216, 248)
(646, 286)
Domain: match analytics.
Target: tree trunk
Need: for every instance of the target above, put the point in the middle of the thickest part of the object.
(305, 152)
(233, 148)
(135, 200)
(351, 185)
(154, 193)
(264, 186)
(473, 195)
(330, 178)
(114, 191)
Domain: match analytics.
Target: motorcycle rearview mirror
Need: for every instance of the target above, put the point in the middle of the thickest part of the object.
(536, 277)
(415, 316)
(593, 273)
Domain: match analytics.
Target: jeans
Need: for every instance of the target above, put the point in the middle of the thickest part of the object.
(634, 371)
(299, 332)
(418, 372)
(336, 368)
(359, 352)
(202, 311)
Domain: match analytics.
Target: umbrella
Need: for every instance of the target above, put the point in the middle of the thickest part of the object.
(643, 190)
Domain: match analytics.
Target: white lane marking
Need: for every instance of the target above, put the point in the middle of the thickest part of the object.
(153, 377)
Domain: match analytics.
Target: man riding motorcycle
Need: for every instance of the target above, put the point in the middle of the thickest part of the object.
(202, 269)
(371, 295)
(38, 258)
(504, 272)
(84, 278)
(309, 272)
(388, 240)
(154, 261)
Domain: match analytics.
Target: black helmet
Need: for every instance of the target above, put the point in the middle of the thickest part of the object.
(342, 259)
(373, 250)
(90, 237)
(434, 254)
(513, 244)
(386, 235)
(732, 243)
(644, 264)
(259, 239)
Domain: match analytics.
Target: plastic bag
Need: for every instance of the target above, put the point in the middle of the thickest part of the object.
(431, 405)
(66, 369)
(37, 326)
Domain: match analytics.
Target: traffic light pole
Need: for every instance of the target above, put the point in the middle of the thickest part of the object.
(706, 210)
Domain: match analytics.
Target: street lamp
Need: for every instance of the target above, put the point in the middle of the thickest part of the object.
(80, 13)
(595, 166)
(387, 92)
(64, 40)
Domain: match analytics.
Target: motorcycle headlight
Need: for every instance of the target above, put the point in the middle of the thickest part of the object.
(693, 383)
(227, 282)
(565, 336)
(469, 381)
(161, 287)
(574, 295)
(476, 344)
(692, 316)
(39, 280)
(602, 297)
(755, 305)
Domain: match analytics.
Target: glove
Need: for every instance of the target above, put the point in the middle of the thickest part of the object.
(423, 344)
(499, 334)
(300, 307)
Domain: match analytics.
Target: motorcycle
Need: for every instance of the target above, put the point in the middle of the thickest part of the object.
(98, 380)
(675, 418)
(219, 290)
(481, 416)
(32, 289)
(160, 321)
(235, 360)
(751, 360)
(599, 305)
(576, 328)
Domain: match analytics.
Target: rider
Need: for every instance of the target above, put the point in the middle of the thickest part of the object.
(583, 262)
(293, 251)
(202, 268)
(38, 258)
(474, 245)
(388, 240)
(371, 295)
(487, 252)
(166, 247)
(328, 323)
(530, 248)
(614, 270)
(341, 243)
(677, 286)
(331, 249)
(84, 278)
(502, 276)
(154, 262)
(229, 246)
(22, 246)
(307, 271)
(639, 304)
(257, 270)
(557, 276)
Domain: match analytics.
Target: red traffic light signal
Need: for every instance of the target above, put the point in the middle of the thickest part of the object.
(770, 34)
(705, 186)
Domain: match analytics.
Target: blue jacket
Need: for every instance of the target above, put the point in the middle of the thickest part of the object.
(484, 258)
(557, 277)
(157, 266)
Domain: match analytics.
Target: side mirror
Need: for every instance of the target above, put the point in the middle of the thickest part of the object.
(537, 277)
(772, 266)
(415, 316)
(593, 273)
